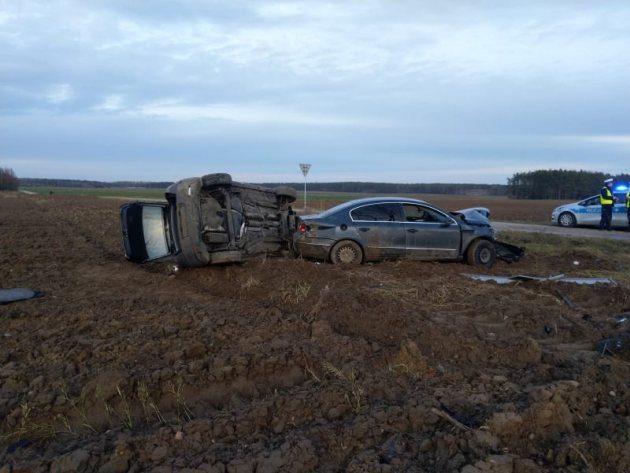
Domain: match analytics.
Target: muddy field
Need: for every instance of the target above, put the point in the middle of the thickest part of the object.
(294, 366)
(502, 208)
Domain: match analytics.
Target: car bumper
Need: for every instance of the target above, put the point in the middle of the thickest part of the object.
(313, 247)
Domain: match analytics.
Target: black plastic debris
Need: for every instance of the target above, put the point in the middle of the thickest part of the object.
(23, 443)
(614, 345)
(18, 294)
(508, 253)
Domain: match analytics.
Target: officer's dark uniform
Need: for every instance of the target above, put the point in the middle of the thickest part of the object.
(628, 206)
(607, 199)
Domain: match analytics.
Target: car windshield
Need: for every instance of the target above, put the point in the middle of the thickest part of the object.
(154, 232)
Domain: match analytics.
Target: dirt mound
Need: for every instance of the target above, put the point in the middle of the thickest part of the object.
(292, 365)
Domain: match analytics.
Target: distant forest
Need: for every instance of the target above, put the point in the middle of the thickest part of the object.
(543, 184)
(558, 184)
(392, 188)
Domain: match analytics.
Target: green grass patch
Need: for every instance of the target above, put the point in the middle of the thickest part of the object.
(606, 258)
(121, 192)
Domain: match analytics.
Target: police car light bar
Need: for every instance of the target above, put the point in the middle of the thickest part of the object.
(621, 187)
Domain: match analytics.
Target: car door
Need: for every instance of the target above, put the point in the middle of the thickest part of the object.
(379, 230)
(590, 211)
(620, 215)
(430, 234)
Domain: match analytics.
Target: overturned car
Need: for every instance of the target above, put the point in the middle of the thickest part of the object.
(207, 220)
(381, 228)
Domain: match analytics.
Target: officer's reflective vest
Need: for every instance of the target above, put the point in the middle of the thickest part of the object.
(606, 196)
(628, 200)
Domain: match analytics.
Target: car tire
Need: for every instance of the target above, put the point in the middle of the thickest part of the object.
(346, 252)
(567, 219)
(481, 253)
(288, 194)
(216, 179)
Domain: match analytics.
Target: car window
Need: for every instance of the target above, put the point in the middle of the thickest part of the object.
(375, 213)
(590, 201)
(418, 213)
(154, 231)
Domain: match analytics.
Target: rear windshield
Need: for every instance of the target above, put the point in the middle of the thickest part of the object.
(154, 234)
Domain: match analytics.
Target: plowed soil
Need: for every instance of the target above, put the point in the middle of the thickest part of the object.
(296, 366)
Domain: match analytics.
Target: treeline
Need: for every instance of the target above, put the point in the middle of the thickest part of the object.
(558, 184)
(37, 182)
(8, 180)
(393, 188)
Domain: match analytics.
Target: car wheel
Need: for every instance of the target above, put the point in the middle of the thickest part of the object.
(346, 252)
(216, 179)
(482, 253)
(566, 219)
(285, 193)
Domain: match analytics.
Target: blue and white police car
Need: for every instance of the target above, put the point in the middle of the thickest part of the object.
(588, 212)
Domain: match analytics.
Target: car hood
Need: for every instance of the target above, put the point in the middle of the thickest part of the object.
(565, 207)
(479, 216)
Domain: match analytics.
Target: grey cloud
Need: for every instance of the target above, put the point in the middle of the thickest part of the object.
(340, 82)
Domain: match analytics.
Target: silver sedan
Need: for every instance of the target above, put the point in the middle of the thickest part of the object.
(588, 212)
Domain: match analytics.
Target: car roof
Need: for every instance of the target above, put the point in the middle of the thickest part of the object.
(371, 200)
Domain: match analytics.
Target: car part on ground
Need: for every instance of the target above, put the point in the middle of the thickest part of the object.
(381, 228)
(507, 252)
(526, 278)
(209, 220)
(614, 345)
(18, 294)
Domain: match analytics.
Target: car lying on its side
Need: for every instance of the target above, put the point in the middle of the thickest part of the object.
(381, 228)
(207, 220)
(588, 212)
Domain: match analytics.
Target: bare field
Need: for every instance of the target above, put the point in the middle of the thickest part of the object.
(501, 208)
(294, 366)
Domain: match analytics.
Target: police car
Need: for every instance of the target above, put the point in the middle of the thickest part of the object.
(588, 211)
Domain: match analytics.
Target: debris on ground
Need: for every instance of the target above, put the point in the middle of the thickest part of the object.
(614, 345)
(18, 294)
(526, 278)
(507, 252)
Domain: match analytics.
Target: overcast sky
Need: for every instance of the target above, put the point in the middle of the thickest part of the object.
(391, 90)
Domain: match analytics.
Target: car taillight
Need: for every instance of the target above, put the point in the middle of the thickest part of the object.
(302, 227)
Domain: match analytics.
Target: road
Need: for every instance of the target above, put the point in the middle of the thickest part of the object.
(568, 232)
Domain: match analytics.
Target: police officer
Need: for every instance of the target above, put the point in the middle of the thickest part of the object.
(607, 200)
(628, 206)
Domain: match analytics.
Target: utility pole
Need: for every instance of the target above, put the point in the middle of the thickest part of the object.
(305, 168)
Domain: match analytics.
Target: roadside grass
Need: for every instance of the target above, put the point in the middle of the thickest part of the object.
(613, 252)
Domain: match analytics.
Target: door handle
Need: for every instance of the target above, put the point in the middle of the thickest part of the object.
(412, 230)
(364, 229)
